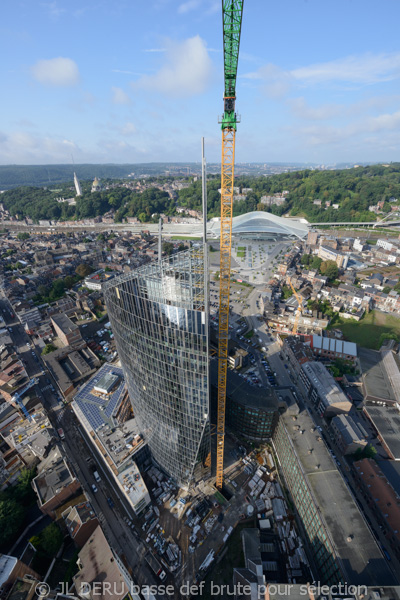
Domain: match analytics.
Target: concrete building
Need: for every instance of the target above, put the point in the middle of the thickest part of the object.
(70, 365)
(358, 245)
(55, 482)
(238, 358)
(159, 318)
(251, 575)
(385, 245)
(380, 377)
(104, 411)
(339, 544)
(347, 434)
(312, 238)
(99, 564)
(297, 351)
(30, 438)
(323, 391)
(330, 254)
(80, 521)
(386, 422)
(382, 499)
(66, 330)
(10, 570)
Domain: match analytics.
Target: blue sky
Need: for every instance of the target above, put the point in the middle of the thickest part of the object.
(142, 80)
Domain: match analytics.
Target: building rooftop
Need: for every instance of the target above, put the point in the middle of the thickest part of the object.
(391, 470)
(334, 345)
(69, 365)
(323, 382)
(386, 420)
(99, 414)
(360, 558)
(100, 408)
(32, 435)
(54, 475)
(7, 564)
(385, 498)
(133, 485)
(240, 391)
(377, 385)
(64, 323)
(78, 515)
(98, 563)
(348, 428)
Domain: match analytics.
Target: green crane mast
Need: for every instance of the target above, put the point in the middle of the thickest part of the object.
(232, 11)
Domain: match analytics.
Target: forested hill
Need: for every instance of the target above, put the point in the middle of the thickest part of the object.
(354, 190)
(40, 175)
(310, 194)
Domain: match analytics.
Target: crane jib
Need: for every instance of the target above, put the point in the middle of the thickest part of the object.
(232, 11)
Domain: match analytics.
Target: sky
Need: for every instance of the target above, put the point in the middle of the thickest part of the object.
(126, 81)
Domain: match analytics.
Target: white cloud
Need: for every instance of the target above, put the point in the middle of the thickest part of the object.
(364, 69)
(154, 50)
(119, 96)
(186, 72)
(302, 110)
(20, 147)
(127, 129)
(351, 132)
(60, 71)
(53, 9)
(186, 7)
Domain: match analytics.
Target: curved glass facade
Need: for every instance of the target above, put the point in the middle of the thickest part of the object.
(159, 318)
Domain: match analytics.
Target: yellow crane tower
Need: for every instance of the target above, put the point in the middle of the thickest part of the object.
(232, 11)
(298, 311)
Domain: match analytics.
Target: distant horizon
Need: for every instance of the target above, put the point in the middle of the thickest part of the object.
(163, 162)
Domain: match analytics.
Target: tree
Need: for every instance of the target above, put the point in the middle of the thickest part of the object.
(386, 289)
(286, 292)
(23, 492)
(167, 248)
(51, 539)
(11, 517)
(305, 259)
(23, 235)
(83, 270)
(330, 269)
(387, 336)
(316, 263)
(69, 281)
(48, 348)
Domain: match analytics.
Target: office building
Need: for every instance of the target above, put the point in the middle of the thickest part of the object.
(327, 253)
(341, 547)
(159, 319)
(103, 409)
(65, 329)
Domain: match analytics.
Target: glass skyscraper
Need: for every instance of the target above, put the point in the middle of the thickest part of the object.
(158, 314)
